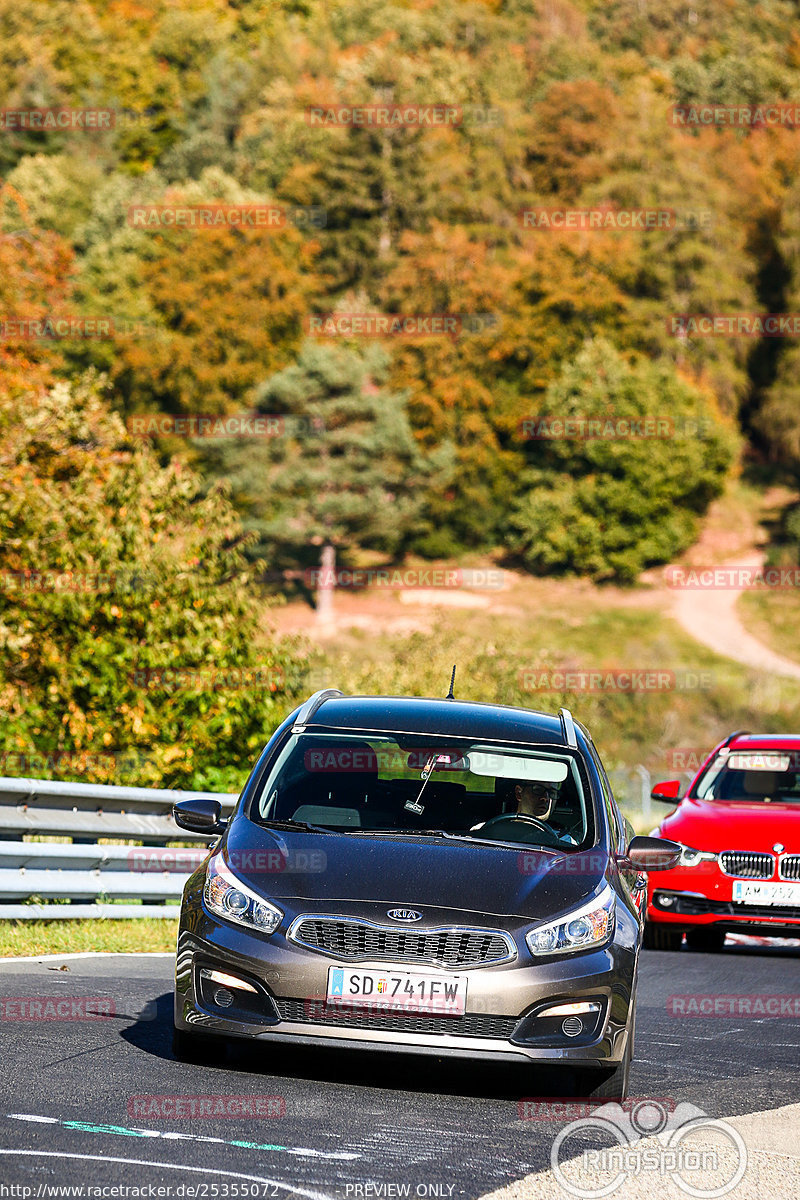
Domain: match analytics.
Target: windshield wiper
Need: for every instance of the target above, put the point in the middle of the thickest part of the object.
(303, 826)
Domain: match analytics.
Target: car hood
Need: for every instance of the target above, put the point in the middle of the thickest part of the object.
(411, 871)
(734, 825)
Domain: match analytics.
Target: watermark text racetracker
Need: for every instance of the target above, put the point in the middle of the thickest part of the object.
(402, 116)
(736, 578)
(184, 860)
(605, 218)
(410, 325)
(758, 1005)
(233, 425)
(611, 427)
(747, 324)
(736, 116)
(263, 1190)
(173, 1107)
(56, 1008)
(485, 579)
(213, 215)
(613, 679)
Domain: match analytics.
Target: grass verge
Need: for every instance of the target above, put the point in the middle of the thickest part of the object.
(19, 938)
(773, 617)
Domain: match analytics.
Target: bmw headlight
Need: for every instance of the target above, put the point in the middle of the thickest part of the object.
(227, 897)
(690, 857)
(591, 925)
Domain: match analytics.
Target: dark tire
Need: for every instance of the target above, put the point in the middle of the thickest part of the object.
(608, 1084)
(710, 940)
(661, 937)
(195, 1048)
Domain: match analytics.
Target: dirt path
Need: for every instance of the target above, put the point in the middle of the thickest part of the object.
(709, 616)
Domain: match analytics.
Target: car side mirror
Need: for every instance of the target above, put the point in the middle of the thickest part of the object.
(653, 853)
(199, 815)
(667, 792)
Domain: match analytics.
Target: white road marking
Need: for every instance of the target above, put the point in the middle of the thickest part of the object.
(176, 1136)
(144, 1162)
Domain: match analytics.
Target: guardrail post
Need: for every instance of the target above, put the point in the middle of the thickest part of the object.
(646, 788)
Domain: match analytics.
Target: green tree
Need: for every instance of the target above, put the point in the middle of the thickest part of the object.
(347, 471)
(778, 419)
(609, 506)
(113, 570)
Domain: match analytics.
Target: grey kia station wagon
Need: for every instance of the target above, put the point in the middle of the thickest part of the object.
(428, 876)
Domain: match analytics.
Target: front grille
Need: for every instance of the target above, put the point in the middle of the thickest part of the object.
(789, 866)
(747, 865)
(316, 1012)
(354, 940)
(700, 905)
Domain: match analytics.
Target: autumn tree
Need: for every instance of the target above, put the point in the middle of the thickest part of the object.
(609, 503)
(128, 625)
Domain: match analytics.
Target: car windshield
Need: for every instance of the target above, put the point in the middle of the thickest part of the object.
(367, 783)
(764, 776)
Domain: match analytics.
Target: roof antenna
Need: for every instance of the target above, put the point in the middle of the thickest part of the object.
(450, 695)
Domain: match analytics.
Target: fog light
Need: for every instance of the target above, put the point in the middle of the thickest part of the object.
(223, 997)
(666, 901)
(572, 1026)
(228, 981)
(569, 1010)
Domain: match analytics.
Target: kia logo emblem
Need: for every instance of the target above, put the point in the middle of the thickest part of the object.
(404, 914)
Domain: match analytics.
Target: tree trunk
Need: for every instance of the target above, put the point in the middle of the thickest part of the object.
(327, 582)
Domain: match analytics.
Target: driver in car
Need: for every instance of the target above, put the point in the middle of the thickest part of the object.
(536, 800)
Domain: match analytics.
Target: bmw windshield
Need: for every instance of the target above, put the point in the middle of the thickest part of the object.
(760, 776)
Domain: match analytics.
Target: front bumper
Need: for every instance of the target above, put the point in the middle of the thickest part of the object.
(702, 897)
(500, 1022)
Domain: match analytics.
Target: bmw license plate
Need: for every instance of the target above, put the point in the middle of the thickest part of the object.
(777, 894)
(396, 991)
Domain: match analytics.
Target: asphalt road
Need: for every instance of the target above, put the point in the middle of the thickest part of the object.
(353, 1124)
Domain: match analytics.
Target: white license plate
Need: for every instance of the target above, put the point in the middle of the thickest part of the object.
(777, 894)
(397, 991)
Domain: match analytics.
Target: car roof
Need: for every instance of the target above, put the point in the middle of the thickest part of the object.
(445, 718)
(765, 741)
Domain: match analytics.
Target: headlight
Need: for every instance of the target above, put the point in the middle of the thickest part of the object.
(690, 857)
(227, 897)
(590, 925)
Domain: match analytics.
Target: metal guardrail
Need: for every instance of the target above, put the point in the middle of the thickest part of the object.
(91, 875)
(84, 872)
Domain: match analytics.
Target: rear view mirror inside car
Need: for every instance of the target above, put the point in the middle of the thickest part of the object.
(508, 766)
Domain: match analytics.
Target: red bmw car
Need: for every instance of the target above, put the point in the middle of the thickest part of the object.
(739, 825)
